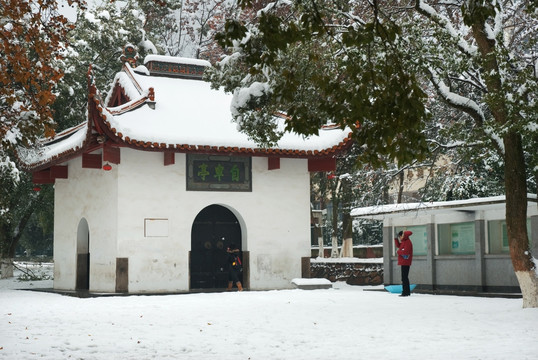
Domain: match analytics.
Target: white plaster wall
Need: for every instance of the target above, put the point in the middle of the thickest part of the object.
(148, 190)
(274, 218)
(89, 194)
(278, 224)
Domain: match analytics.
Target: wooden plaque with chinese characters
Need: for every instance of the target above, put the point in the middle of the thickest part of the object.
(218, 173)
(175, 69)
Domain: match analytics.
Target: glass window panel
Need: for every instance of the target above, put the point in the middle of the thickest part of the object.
(498, 236)
(419, 238)
(456, 239)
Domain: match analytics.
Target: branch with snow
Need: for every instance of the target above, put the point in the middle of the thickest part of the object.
(444, 23)
(458, 101)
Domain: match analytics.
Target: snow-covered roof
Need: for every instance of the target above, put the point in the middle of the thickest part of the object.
(182, 114)
(176, 60)
(69, 142)
(189, 112)
(380, 212)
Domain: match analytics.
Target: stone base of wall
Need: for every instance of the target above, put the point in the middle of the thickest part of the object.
(351, 273)
(374, 251)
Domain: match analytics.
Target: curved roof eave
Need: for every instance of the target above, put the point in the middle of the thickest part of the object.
(63, 147)
(101, 121)
(118, 122)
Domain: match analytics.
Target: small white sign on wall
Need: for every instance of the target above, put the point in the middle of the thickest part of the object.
(155, 227)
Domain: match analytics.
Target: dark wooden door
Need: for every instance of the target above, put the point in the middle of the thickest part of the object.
(213, 230)
(83, 272)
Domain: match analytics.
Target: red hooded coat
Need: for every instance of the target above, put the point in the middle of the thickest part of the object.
(405, 249)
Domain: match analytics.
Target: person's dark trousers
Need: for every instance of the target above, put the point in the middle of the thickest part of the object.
(405, 281)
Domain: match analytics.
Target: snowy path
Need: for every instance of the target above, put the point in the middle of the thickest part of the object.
(341, 323)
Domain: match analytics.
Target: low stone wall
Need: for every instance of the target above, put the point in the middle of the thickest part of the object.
(373, 251)
(351, 273)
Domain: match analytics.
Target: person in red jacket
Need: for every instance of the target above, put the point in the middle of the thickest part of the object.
(405, 258)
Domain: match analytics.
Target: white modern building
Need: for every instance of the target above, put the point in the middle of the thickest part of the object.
(153, 187)
(457, 245)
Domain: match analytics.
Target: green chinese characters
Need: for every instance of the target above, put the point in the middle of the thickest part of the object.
(219, 172)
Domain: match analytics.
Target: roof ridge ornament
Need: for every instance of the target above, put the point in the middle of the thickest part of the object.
(130, 55)
(176, 67)
(151, 98)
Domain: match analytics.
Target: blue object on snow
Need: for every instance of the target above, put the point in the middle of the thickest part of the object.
(397, 289)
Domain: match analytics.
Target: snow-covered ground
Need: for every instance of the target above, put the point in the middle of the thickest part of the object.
(346, 322)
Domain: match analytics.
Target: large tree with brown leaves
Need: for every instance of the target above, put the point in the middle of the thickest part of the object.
(32, 40)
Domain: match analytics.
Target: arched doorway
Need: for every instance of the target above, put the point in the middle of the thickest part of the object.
(83, 256)
(213, 230)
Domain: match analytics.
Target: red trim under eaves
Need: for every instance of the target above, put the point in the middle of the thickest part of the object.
(273, 163)
(91, 161)
(48, 176)
(322, 164)
(111, 154)
(169, 158)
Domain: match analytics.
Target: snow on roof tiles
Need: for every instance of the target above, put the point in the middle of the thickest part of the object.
(188, 111)
(380, 212)
(185, 115)
(67, 142)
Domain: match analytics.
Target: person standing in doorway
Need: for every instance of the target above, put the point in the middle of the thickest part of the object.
(234, 267)
(405, 258)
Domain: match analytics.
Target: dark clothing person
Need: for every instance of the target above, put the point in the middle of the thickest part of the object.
(234, 267)
(405, 258)
(406, 290)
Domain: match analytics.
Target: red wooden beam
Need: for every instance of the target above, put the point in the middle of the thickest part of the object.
(91, 161)
(42, 177)
(322, 164)
(273, 163)
(58, 172)
(169, 158)
(111, 154)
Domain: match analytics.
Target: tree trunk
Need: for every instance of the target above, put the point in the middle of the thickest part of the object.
(515, 178)
(516, 218)
(7, 252)
(317, 233)
(400, 186)
(347, 244)
(335, 201)
(10, 234)
(6, 268)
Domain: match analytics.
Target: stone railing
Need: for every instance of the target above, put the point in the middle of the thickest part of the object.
(360, 251)
(353, 273)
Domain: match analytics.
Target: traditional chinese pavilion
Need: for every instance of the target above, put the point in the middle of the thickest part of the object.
(157, 182)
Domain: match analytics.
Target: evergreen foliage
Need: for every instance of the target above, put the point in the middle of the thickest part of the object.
(98, 40)
(315, 65)
(380, 64)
